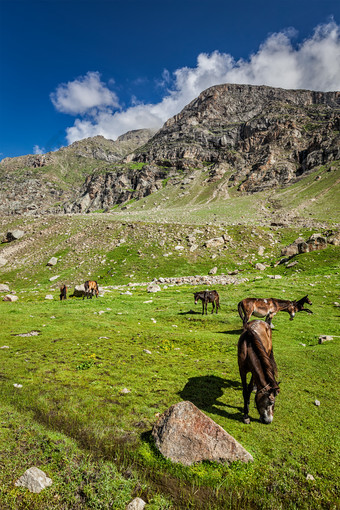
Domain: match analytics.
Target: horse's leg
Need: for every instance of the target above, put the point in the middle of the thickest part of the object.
(202, 307)
(268, 319)
(246, 396)
(213, 307)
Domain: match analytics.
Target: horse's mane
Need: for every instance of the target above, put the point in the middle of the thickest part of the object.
(283, 303)
(265, 361)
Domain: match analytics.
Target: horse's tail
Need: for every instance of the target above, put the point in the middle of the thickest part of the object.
(241, 311)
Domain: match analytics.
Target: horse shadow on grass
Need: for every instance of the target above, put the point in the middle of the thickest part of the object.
(204, 392)
(190, 312)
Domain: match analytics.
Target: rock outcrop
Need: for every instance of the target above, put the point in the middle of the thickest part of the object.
(186, 435)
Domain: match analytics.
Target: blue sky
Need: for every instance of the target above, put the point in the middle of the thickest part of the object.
(76, 68)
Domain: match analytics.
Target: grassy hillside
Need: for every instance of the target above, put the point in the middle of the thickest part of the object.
(70, 417)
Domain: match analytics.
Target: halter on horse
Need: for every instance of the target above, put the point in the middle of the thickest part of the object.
(255, 355)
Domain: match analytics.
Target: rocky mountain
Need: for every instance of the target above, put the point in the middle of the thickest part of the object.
(241, 137)
(264, 136)
(42, 183)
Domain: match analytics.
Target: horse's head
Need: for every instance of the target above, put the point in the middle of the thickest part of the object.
(196, 296)
(307, 300)
(265, 403)
(292, 308)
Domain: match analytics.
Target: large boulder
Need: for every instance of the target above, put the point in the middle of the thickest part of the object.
(34, 480)
(10, 297)
(13, 235)
(186, 435)
(52, 262)
(4, 287)
(79, 291)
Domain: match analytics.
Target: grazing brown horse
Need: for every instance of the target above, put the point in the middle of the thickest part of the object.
(255, 355)
(63, 291)
(269, 307)
(208, 296)
(91, 289)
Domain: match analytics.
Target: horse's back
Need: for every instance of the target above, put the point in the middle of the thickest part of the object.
(262, 330)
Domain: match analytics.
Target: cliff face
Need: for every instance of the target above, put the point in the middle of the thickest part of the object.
(266, 136)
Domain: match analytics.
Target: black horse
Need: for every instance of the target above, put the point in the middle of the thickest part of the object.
(208, 296)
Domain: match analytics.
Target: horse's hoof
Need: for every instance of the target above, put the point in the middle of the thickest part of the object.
(246, 421)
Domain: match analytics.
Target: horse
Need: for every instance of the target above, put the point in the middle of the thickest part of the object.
(63, 291)
(269, 307)
(255, 355)
(91, 289)
(208, 296)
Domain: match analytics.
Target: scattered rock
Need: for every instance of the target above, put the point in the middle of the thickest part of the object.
(153, 288)
(54, 277)
(49, 296)
(4, 347)
(179, 248)
(317, 403)
(2, 261)
(4, 287)
(184, 434)
(13, 235)
(136, 504)
(275, 276)
(215, 242)
(213, 270)
(261, 250)
(147, 351)
(79, 291)
(125, 391)
(260, 267)
(325, 338)
(34, 480)
(52, 262)
(310, 477)
(31, 333)
(10, 297)
(292, 264)
(16, 385)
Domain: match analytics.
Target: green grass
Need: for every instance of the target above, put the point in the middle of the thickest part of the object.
(71, 419)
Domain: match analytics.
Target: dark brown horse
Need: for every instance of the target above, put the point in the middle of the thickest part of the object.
(91, 289)
(255, 355)
(208, 296)
(63, 291)
(269, 307)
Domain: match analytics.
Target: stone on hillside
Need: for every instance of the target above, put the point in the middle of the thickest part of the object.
(193, 247)
(186, 435)
(3, 261)
(179, 248)
(52, 262)
(4, 287)
(49, 296)
(54, 277)
(316, 242)
(79, 291)
(214, 243)
(325, 338)
(260, 251)
(275, 276)
(34, 480)
(213, 270)
(292, 249)
(10, 297)
(13, 235)
(292, 264)
(153, 288)
(136, 504)
(335, 239)
(260, 267)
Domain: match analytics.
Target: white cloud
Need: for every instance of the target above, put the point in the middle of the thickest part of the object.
(38, 150)
(80, 96)
(314, 64)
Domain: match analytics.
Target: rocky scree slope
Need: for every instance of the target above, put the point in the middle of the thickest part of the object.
(34, 184)
(251, 138)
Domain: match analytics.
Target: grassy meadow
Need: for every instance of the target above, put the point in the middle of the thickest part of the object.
(71, 419)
